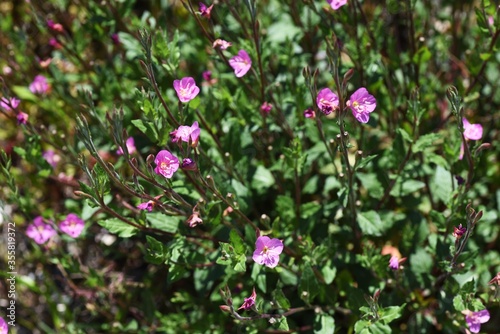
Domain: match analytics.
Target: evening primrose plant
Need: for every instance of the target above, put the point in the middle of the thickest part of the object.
(249, 167)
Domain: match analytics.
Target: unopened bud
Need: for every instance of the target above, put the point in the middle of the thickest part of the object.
(150, 159)
(264, 219)
(225, 308)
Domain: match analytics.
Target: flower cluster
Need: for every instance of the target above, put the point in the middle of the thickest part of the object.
(188, 134)
(42, 232)
(361, 103)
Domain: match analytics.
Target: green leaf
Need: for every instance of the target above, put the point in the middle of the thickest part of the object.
(282, 324)
(116, 226)
(442, 185)
(458, 303)
(388, 314)
(281, 299)
(423, 55)
(365, 161)
(324, 324)
(329, 272)
(426, 141)
(163, 222)
(147, 128)
(370, 223)
(372, 184)
(308, 284)
(406, 187)
(155, 251)
(236, 242)
(262, 179)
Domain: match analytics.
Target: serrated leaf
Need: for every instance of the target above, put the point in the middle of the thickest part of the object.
(118, 227)
(404, 135)
(236, 242)
(370, 223)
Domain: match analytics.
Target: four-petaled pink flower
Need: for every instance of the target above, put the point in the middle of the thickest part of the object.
(22, 118)
(362, 104)
(130, 143)
(186, 133)
(166, 164)
(72, 225)
(267, 251)
(222, 44)
(51, 157)
(336, 4)
(249, 302)
(39, 231)
(475, 319)
(241, 63)
(39, 85)
(471, 132)
(4, 329)
(149, 205)
(327, 101)
(186, 89)
(204, 10)
(9, 104)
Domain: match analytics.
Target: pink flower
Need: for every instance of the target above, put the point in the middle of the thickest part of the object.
(204, 10)
(241, 63)
(4, 329)
(194, 220)
(55, 43)
(327, 101)
(249, 302)
(188, 164)
(39, 85)
(39, 231)
(72, 225)
(309, 113)
(186, 89)
(207, 75)
(267, 251)
(51, 157)
(9, 104)
(459, 231)
(57, 27)
(146, 206)
(362, 104)
(222, 44)
(166, 164)
(130, 143)
(471, 132)
(266, 108)
(22, 118)
(395, 261)
(336, 4)
(186, 134)
(115, 38)
(475, 319)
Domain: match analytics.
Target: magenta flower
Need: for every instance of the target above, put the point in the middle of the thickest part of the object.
(51, 157)
(115, 38)
(394, 263)
(204, 10)
(241, 63)
(166, 164)
(186, 133)
(471, 132)
(222, 44)
(267, 251)
(53, 42)
(207, 75)
(475, 319)
(336, 4)
(146, 206)
(22, 118)
(130, 143)
(56, 27)
(188, 164)
(249, 302)
(309, 113)
(72, 225)
(362, 104)
(194, 220)
(266, 108)
(186, 89)
(327, 101)
(39, 231)
(459, 231)
(39, 85)
(9, 104)
(4, 329)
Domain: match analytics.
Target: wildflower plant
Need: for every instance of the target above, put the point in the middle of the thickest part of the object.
(279, 166)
